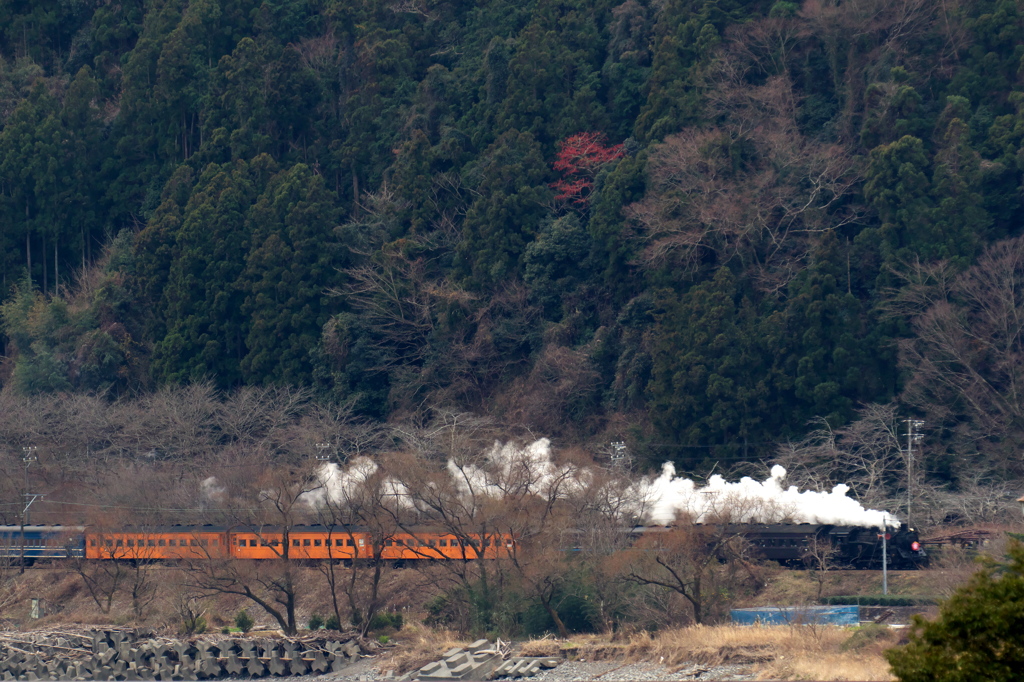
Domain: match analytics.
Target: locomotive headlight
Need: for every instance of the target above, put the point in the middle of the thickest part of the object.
(916, 546)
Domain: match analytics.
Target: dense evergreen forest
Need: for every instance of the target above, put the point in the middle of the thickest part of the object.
(709, 227)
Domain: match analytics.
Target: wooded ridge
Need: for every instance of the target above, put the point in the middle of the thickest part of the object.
(725, 231)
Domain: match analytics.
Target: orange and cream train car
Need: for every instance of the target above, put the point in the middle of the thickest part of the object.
(295, 542)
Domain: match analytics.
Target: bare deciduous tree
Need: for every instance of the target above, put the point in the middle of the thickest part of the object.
(271, 506)
(697, 562)
(966, 358)
(363, 497)
(752, 189)
(865, 455)
(820, 557)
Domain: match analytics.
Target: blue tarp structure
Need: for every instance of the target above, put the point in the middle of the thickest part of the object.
(797, 615)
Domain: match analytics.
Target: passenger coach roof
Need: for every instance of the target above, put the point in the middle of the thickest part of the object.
(42, 529)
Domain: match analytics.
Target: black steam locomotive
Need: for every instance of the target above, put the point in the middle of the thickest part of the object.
(801, 544)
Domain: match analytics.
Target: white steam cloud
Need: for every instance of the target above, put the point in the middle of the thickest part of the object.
(341, 487)
(511, 468)
(210, 490)
(750, 501)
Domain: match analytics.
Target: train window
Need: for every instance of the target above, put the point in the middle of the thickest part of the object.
(203, 542)
(252, 543)
(173, 543)
(264, 543)
(317, 542)
(215, 542)
(275, 542)
(349, 543)
(338, 542)
(362, 542)
(295, 543)
(442, 543)
(305, 542)
(131, 543)
(120, 543)
(241, 543)
(193, 542)
(92, 542)
(151, 543)
(161, 542)
(431, 543)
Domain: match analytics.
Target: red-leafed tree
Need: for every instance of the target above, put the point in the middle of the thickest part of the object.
(579, 159)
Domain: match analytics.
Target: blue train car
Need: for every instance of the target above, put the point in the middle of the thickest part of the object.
(41, 542)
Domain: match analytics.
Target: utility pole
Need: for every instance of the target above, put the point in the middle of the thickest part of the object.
(885, 559)
(321, 452)
(620, 455)
(28, 456)
(914, 435)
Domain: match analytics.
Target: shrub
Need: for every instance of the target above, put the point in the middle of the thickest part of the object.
(193, 626)
(316, 621)
(243, 621)
(384, 620)
(332, 623)
(383, 639)
(979, 634)
(862, 636)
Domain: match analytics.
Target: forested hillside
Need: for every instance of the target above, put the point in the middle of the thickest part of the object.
(708, 227)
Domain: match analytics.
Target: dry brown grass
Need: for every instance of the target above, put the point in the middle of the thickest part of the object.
(772, 653)
(417, 645)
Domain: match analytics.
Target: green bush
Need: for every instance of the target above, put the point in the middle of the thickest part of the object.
(332, 623)
(387, 619)
(316, 621)
(193, 626)
(383, 639)
(979, 634)
(862, 636)
(243, 621)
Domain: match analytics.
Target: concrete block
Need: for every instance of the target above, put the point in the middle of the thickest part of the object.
(208, 667)
(463, 671)
(255, 667)
(298, 666)
(320, 663)
(479, 645)
(233, 664)
(276, 666)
